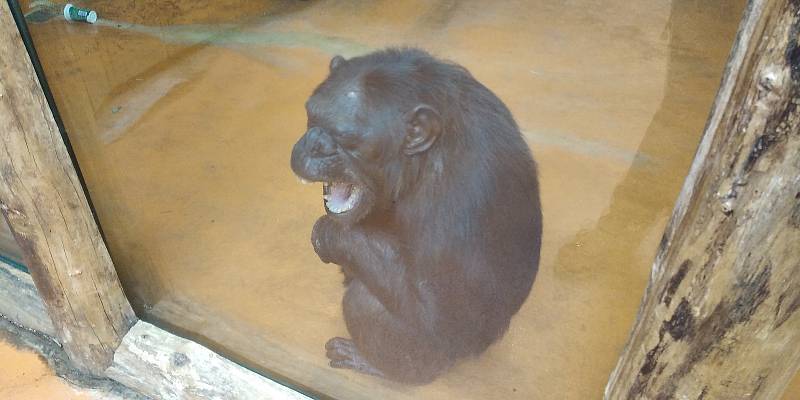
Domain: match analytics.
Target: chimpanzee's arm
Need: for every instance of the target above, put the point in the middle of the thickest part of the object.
(372, 257)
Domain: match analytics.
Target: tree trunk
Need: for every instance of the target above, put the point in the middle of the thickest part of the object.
(719, 318)
(45, 206)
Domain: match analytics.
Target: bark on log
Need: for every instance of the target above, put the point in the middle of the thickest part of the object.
(720, 319)
(168, 367)
(45, 206)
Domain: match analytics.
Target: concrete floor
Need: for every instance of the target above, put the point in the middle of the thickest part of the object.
(182, 115)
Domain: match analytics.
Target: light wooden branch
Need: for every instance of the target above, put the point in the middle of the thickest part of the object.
(168, 367)
(45, 206)
(719, 319)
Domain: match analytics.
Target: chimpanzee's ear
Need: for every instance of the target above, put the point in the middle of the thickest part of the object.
(424, 127)
(336, 61)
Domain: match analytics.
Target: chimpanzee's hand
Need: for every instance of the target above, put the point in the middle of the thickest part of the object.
(324, 237)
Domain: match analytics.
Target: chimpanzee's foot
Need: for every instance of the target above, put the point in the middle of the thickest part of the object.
(344, 354)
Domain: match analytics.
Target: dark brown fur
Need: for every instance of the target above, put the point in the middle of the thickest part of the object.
(444, 247)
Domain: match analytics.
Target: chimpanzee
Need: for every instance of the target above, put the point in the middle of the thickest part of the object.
(432, 210)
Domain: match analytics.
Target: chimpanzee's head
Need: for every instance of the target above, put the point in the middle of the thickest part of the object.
(369, 124)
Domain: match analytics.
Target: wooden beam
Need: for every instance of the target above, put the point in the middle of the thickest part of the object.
(720, 319)
(20, 302)
(150, 360)
(45, 206)
(168, 367)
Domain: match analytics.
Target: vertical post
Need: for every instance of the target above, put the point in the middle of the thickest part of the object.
(45, 206)
(720, 318)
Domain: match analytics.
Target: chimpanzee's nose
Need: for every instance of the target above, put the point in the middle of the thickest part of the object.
(318, 143)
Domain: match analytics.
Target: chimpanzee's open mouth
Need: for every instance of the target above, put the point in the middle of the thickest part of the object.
(341, 197)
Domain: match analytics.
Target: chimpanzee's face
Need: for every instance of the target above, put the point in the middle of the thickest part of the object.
(344, 149)
(358, 146)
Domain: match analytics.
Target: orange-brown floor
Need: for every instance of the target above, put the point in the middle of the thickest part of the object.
(183, 113)
(24, 376)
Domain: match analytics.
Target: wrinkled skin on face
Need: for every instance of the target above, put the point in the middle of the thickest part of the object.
(339, 150)
(432, 211)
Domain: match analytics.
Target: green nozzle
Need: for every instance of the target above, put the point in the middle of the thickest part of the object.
(72, 13)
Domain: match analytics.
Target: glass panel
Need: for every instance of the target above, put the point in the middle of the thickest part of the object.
(9, 251)
(183, 115)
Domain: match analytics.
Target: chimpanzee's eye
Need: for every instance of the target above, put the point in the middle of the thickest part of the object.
(346, 138)
(342, 132)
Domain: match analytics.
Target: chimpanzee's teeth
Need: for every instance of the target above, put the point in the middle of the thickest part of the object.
(348, 204)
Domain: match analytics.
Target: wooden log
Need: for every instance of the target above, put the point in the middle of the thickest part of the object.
(168, 367)
(45, 206)
(720, 319)
(20, 302)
